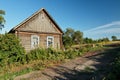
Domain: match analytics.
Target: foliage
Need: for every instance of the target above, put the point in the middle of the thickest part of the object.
(70, 54)
(71, 37)
(69, 32)
(114, 38)
(45, 54)
(11, 76)
(88, 40)
(10, 43)
(77, 37)
(10, 49)
(106, 39)
(114, 73)
(67, 41)
(103, 40)
(67, 37)
(2, 20)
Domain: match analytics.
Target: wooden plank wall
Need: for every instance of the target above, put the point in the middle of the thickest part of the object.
(25, 39)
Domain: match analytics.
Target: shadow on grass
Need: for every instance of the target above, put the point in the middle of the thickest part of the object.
(104, 59)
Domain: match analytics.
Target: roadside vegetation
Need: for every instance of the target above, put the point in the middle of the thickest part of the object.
(114, 72)
(14, 61)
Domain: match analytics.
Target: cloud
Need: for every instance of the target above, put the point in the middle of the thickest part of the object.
(107, 29)
(105, 26)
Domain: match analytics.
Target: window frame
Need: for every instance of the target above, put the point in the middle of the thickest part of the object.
(52, 41)
(32, 36)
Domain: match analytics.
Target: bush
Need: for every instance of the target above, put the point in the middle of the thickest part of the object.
(11, 52)
(9, 42)
(10, 49)
(37, 54)
(45, 54)
(115, 70)
(114, 73)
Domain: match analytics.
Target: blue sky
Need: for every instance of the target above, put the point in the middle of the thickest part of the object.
(95, 18)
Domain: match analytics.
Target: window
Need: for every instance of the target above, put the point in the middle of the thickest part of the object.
(50, 41)
(34, 41)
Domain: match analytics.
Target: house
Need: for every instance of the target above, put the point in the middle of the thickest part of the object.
(39, 30)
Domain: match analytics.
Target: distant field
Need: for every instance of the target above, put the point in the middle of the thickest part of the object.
(101, 43)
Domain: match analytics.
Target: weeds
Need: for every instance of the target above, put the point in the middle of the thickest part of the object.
(13, 55)
(114, 73)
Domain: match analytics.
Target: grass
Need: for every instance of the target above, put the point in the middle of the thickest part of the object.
(11, 76)
(23, 69)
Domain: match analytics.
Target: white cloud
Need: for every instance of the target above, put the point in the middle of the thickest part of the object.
(104, 26)
(107, 29)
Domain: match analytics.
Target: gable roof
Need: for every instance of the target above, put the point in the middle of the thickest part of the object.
(36, 13)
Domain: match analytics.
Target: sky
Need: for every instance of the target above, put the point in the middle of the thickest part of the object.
(95, 18)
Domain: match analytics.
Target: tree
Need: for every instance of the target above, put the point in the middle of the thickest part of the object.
(88, 40)
(77, 37)
(67, 37)
(114, 38)
(2, 20)
(67, 41)
(69, 32)
(106, 39)
(71, 37)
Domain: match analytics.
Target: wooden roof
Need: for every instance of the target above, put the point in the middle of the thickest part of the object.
(36, 13)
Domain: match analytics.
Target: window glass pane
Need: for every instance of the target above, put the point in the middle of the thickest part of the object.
(49, 41)
(34, 41)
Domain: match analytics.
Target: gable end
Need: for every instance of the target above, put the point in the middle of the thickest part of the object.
(29, 20)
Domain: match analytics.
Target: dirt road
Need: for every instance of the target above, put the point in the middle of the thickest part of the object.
(92, 66)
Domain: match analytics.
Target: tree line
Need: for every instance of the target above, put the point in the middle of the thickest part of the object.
(75, 37)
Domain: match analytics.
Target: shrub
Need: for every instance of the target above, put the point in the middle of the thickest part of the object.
(10, 49)
(37, 54)
(70, 54)
(45, 54)
(9, 42)
(114, 73)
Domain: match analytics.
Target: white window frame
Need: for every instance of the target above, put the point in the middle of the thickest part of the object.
(52, 41)
(32, 36)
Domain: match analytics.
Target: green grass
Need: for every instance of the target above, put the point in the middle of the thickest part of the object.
(11, 76)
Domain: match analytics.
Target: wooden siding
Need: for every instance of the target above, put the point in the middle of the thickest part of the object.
(25, 41)
(39, 23)
(25, 38)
